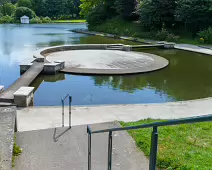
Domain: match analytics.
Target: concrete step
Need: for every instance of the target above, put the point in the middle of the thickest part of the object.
(114, 48)
(65, 149)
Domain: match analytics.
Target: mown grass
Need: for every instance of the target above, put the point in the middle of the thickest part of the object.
(70, 21)
(182, 147)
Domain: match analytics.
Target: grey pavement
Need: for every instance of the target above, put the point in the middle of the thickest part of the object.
(63, 149)
(7, 125)
(34, 118)
(194, 48)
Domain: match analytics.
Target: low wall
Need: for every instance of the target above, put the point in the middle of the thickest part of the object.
(7, 129)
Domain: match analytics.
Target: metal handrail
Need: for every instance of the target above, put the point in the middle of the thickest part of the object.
(63, 110)
(154, 138)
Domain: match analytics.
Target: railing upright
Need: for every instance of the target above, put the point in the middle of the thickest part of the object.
(63, 109)
(153, 149)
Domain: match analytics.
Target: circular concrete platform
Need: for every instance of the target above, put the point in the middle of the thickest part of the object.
(107, 61)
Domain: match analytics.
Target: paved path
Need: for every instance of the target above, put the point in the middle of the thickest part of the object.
(107, 61)
(48, 117)
(193, 48)
(62, 149)
(25, 80)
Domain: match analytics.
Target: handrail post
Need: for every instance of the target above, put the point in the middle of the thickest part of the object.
(70, 100)
(154, 148)
(62, 112)
(110, 144)
(89, 149)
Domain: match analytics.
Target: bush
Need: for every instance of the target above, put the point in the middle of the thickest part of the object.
(46, 20)
(36, 20)
(6, 20)
(206, 35)
(21, 11)
(164, 35)
(1, 15)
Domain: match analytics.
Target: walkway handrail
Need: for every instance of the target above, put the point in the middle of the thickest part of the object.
(154, 138)
(63, 112)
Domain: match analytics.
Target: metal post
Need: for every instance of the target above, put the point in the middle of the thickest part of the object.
(110, 144)
(62, 113)
(154, 148)
(70, 100)
(89, 151)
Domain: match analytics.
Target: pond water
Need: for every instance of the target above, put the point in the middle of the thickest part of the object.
(187, 77)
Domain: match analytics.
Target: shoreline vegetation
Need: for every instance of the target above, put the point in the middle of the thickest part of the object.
(70, 21)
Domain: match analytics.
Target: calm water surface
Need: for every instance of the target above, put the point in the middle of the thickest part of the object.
(187, 77)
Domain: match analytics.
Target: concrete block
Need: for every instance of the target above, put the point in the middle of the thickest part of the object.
(127, 48)
(25, 66)
(23, 97)
(1, 88)
(51, 68)
(62, 64)
(169, 45)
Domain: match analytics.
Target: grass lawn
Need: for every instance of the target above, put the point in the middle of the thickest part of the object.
(182, 147)
(70, 21)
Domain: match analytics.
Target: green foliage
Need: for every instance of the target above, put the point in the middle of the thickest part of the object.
(46, 20)
(24, 3)
(127, 9)
(181, 147)
(21, 11)
(86, 6)
(164, 35)
(35, 20)
(7, 9)
(96, 16)
(154, 14)
(194, 15)
(16, 152)
(206, 35)
(6, 20)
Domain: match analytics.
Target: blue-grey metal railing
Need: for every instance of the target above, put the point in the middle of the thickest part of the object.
(154, 138)
(63, 109)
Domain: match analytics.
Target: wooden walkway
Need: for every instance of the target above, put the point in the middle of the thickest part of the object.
(25, 80)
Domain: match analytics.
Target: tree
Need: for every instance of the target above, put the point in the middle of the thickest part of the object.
(39, 7)
(7, 9)
(127, 9)
(54, 8)
(194, 15)
(157, 13)
(21, 11)
(24, 3)
(86, 6)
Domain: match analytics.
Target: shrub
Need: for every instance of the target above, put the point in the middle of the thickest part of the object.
(162, 35)
(6, 20)
(206, 35)
(1, 15)
(36, 20)
(172, 38)
(46, 20)
(21, 11)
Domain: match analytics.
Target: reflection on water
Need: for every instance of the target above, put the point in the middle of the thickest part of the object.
(187, 77)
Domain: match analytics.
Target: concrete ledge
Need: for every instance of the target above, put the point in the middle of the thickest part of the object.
(1, 88)
(25, 66)
(7, 128)
(23, 97)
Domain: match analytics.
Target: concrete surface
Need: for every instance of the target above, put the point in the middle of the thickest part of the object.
(24, 96)
(63, 149)
(34, 118)
(7, 126)
(25, 80)
(193, 48)
(1, 88)
(107, 61)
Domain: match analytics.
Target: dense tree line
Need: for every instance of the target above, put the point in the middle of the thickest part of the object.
(56, 9)
(177, 16)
